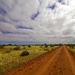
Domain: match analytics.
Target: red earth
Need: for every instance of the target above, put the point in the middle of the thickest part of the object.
(59, 61)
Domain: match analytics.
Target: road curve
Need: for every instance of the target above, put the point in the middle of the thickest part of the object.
(56, 62)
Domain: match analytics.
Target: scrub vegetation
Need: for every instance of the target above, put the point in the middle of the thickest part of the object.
(13, 56)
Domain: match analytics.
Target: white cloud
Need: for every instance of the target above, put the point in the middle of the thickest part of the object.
(54, 23)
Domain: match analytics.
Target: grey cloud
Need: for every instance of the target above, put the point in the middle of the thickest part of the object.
(49, 26)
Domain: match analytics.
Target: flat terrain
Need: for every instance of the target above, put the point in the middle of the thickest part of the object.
(10, 58)
(57, 62)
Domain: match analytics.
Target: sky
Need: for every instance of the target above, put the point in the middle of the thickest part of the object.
(37, 21)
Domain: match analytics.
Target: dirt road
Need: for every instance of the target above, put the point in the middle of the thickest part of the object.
(56, 62)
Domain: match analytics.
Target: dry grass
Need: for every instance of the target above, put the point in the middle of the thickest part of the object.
(72, 49)
(10, 58)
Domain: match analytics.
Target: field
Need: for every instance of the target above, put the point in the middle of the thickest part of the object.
(58, 61)
(41, 60)
(72, 51)
(10, 58)
(72, 48)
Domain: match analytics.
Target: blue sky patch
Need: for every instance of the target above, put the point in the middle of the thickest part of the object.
(2, 11)
(21, 27)
(52, 6)
(34, 16)
(6, 32)
(60, 1)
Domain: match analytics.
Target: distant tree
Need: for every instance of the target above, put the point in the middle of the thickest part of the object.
(45, 45)
(15, 45)
(51, 45)
(29, 45)
(60, 44)
(2, 46)
(23, 46)
(17, 48)
(10, 44)
(41, 46)
(71, 46)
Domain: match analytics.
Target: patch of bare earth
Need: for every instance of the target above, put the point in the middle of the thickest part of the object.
(56, 62)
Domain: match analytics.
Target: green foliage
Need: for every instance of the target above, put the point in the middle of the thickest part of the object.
(17, 48)
(9, 44)
(41, 46)
(24, 46)
(29, 45)
(24, 53)
(45, 45)
(71, 46)
(2, 46)
(12, 59)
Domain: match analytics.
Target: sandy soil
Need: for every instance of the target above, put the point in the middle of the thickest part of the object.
(57, 62)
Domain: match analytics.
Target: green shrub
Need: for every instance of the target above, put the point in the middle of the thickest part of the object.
(1, 46)
(29, 45)
(17, 48)
(24, 53)
(45, 45)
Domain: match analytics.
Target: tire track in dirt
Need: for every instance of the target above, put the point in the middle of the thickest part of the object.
(70, 59)
(33, 65)
(56, 62)
(46, 64)
(61, 65)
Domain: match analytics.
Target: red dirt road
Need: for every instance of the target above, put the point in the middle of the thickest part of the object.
(57, 62)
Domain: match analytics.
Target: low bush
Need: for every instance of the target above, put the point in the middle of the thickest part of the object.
(1, 46)
(24, 53)
(29, 45)
(17, 48)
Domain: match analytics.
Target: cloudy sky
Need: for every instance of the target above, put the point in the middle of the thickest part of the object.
(37, 21)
